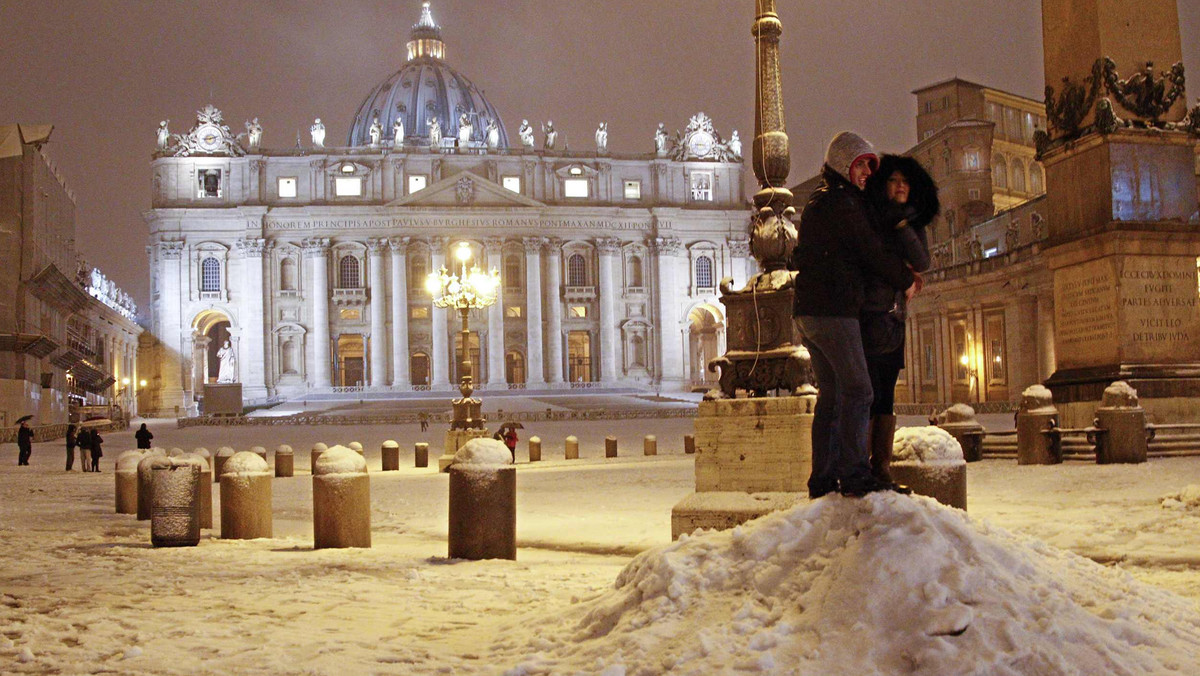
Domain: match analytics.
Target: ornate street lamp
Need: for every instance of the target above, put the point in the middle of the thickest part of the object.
(469, 289)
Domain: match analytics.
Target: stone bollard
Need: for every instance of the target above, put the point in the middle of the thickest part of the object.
(535, 449)
(610, 447)
(203, 453)
(929, 460)
(571, 451)
(483, 502)
(285, 461)
(421, 455)
(390, 454)
(356, 447)
(341, 500)
(959, 420)
(259, 451)
(246, 498)
(175, 515)
(1035, 415)
(145, 489)
(127, 484)
(650, 445)
(1125, 422)
(689, 444)
(206, 483)
(175, 452)
(317, 449)
(224, 453)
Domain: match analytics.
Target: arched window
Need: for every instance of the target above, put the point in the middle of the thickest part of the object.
(576, 270)
(512, 272)
(635, 271)
(348, 277)
(999, 172)
(418, 269)
(287, 274)
(210, 275)
(1035, 180)
(1018, 176)
(704, 272)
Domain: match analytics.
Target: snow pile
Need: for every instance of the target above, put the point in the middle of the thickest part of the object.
(958, 413)
(1188, 498)
(340, 460)
(483, 452)
(926, 445)
(882, 584)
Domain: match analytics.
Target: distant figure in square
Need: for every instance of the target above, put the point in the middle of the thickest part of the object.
(143, 437)
(83, 439)
(424, 420)
(71, 442)
(94, 442)
(24, 443)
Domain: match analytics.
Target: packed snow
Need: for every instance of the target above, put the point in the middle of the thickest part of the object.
(1187, 498)
(483, 453)
(926, 445)
(245, 462)
(340, 460)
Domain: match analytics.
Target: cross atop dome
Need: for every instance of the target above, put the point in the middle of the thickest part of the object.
(426, 37)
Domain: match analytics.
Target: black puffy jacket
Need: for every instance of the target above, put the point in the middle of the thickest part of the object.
(837, 249)
(908, 242)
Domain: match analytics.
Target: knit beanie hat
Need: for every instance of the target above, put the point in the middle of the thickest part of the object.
(845, 149)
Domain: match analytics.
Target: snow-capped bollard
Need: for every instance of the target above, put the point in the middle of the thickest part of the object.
(260, 451)
(535, 449)
(126, 480)
(650, 445)
(610, 447)
(930, 462)
(224, 453)
(285, 461)
(1125, 424)
(1036, 415)
(959, 420)
(317, 449)
(203, 453)
(689, 444)
(341, 500)
(571, 450)
(356, 447)
(175, 452)
(390, 452)
(175, 515)
(421, 454)
(145, 489)
(246, 498)
(483, 502)
(206, 483)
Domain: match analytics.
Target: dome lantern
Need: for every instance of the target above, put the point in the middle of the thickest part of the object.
(426, 37)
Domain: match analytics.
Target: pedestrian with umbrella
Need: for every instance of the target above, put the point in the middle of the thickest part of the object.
(508, 433)
(24, 440)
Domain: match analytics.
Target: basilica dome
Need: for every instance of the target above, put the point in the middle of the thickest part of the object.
(425, 89)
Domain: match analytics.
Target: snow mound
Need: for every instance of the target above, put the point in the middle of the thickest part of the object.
(340, 460)
(1187, 498)
(926, 445)
(483, 452)
(884, 584)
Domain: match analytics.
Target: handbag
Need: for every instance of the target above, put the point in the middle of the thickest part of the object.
(883, 332)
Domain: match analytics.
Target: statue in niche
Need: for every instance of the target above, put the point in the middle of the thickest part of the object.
(1012, 236)
(465, 129)
(493, 135)
(227, 368)
(318, 133)
(660, 140)
(735, 146)
(375, 132)
(602, 138)
(975, 247)
(551, 135)
(164, 135)
(526, 133)
(435, 133)
(398, 132)
(254, 134)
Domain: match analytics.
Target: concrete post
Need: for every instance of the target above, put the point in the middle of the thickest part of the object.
(1035, 415)
(341, 500)
(483, 502)
(959, 420)
(205, 486)
(126, 480)
(535, 449)
(610, 447)
(391, 456)
(650, 445)
(246, 498)
(260, 451)
(689, 444)
(145, 490)
(285, 462)
(317, 449)
(929, 462)
(356, 447)
(224, 453)
(175, 515)
(571, 451)
(1125, 422)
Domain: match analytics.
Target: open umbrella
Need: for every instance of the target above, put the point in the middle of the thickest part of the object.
(23, 419)
(511, 425)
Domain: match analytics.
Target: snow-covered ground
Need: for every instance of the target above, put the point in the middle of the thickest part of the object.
(885, 583)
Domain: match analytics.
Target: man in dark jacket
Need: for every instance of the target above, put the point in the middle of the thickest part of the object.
(837, 248)
(24, 443)
(143, 437)
(71, 441)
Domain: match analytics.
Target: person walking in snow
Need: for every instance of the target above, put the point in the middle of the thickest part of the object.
(143, 437)
(24, 443)
(71, 441)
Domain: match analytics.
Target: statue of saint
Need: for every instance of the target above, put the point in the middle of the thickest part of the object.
(660, 140)
(318, 134)
(435, 133)
(551, 135)
(735, 146)
(164, 135)
(465, 129)
(526, 133)
(398, 131)
(254, 134)
(602, 138)
(493, 135)
(375, 132)
(227, 369)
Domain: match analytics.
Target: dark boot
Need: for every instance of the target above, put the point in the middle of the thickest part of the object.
(883, 434)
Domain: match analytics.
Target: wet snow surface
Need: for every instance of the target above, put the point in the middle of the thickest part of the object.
(884, 584)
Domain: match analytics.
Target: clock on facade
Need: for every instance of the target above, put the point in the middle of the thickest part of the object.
(208, 137)
(700, 143)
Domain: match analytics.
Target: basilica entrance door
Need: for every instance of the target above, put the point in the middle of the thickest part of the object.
(350, 360)
(579, 356)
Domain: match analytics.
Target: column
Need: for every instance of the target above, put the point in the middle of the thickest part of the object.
(495, 349)
(609, 248)
(316, 249)
(253, 344)
(440, 368)
(378, 306)
(744, 265)
(554, 337)
(170, 256)
(533, 301)
(670, 339)
(400, 374)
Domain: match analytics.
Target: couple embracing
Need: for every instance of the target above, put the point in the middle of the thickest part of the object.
(861, 249)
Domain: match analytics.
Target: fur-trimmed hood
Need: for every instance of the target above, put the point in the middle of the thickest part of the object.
(922, 194)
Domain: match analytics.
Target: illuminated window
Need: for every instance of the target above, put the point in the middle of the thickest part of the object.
(347, 313)
(633, 190)
(575, 187)
(347, 168)
(973, 193)
(513, 311)
(512, 183)
(419, 312)
(704, 272)
(1035, 180)
(209, 183)
(962, 360)
(579, 311)
(1018, 177)
(702, 182)
(575, 171)
(972, 159)
(999, 172)
(287, 187)
(512, 272)
(576, 271)
(417, 183)
(348, 277)
(210, 275)
(418, 269)
(347, 187)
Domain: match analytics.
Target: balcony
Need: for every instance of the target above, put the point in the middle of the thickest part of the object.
(579, 293)
(350, 296)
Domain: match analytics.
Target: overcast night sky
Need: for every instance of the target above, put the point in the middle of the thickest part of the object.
(105, 72)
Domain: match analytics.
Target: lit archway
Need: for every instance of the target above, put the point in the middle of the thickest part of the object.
(707, 324)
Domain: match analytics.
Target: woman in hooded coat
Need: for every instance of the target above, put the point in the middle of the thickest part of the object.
(904, 199)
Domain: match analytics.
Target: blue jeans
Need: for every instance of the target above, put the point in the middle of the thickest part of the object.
(843, 411)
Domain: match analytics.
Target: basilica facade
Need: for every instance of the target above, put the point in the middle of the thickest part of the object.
(304, 268)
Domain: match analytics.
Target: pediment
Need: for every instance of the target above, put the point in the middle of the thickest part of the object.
(465, 189)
